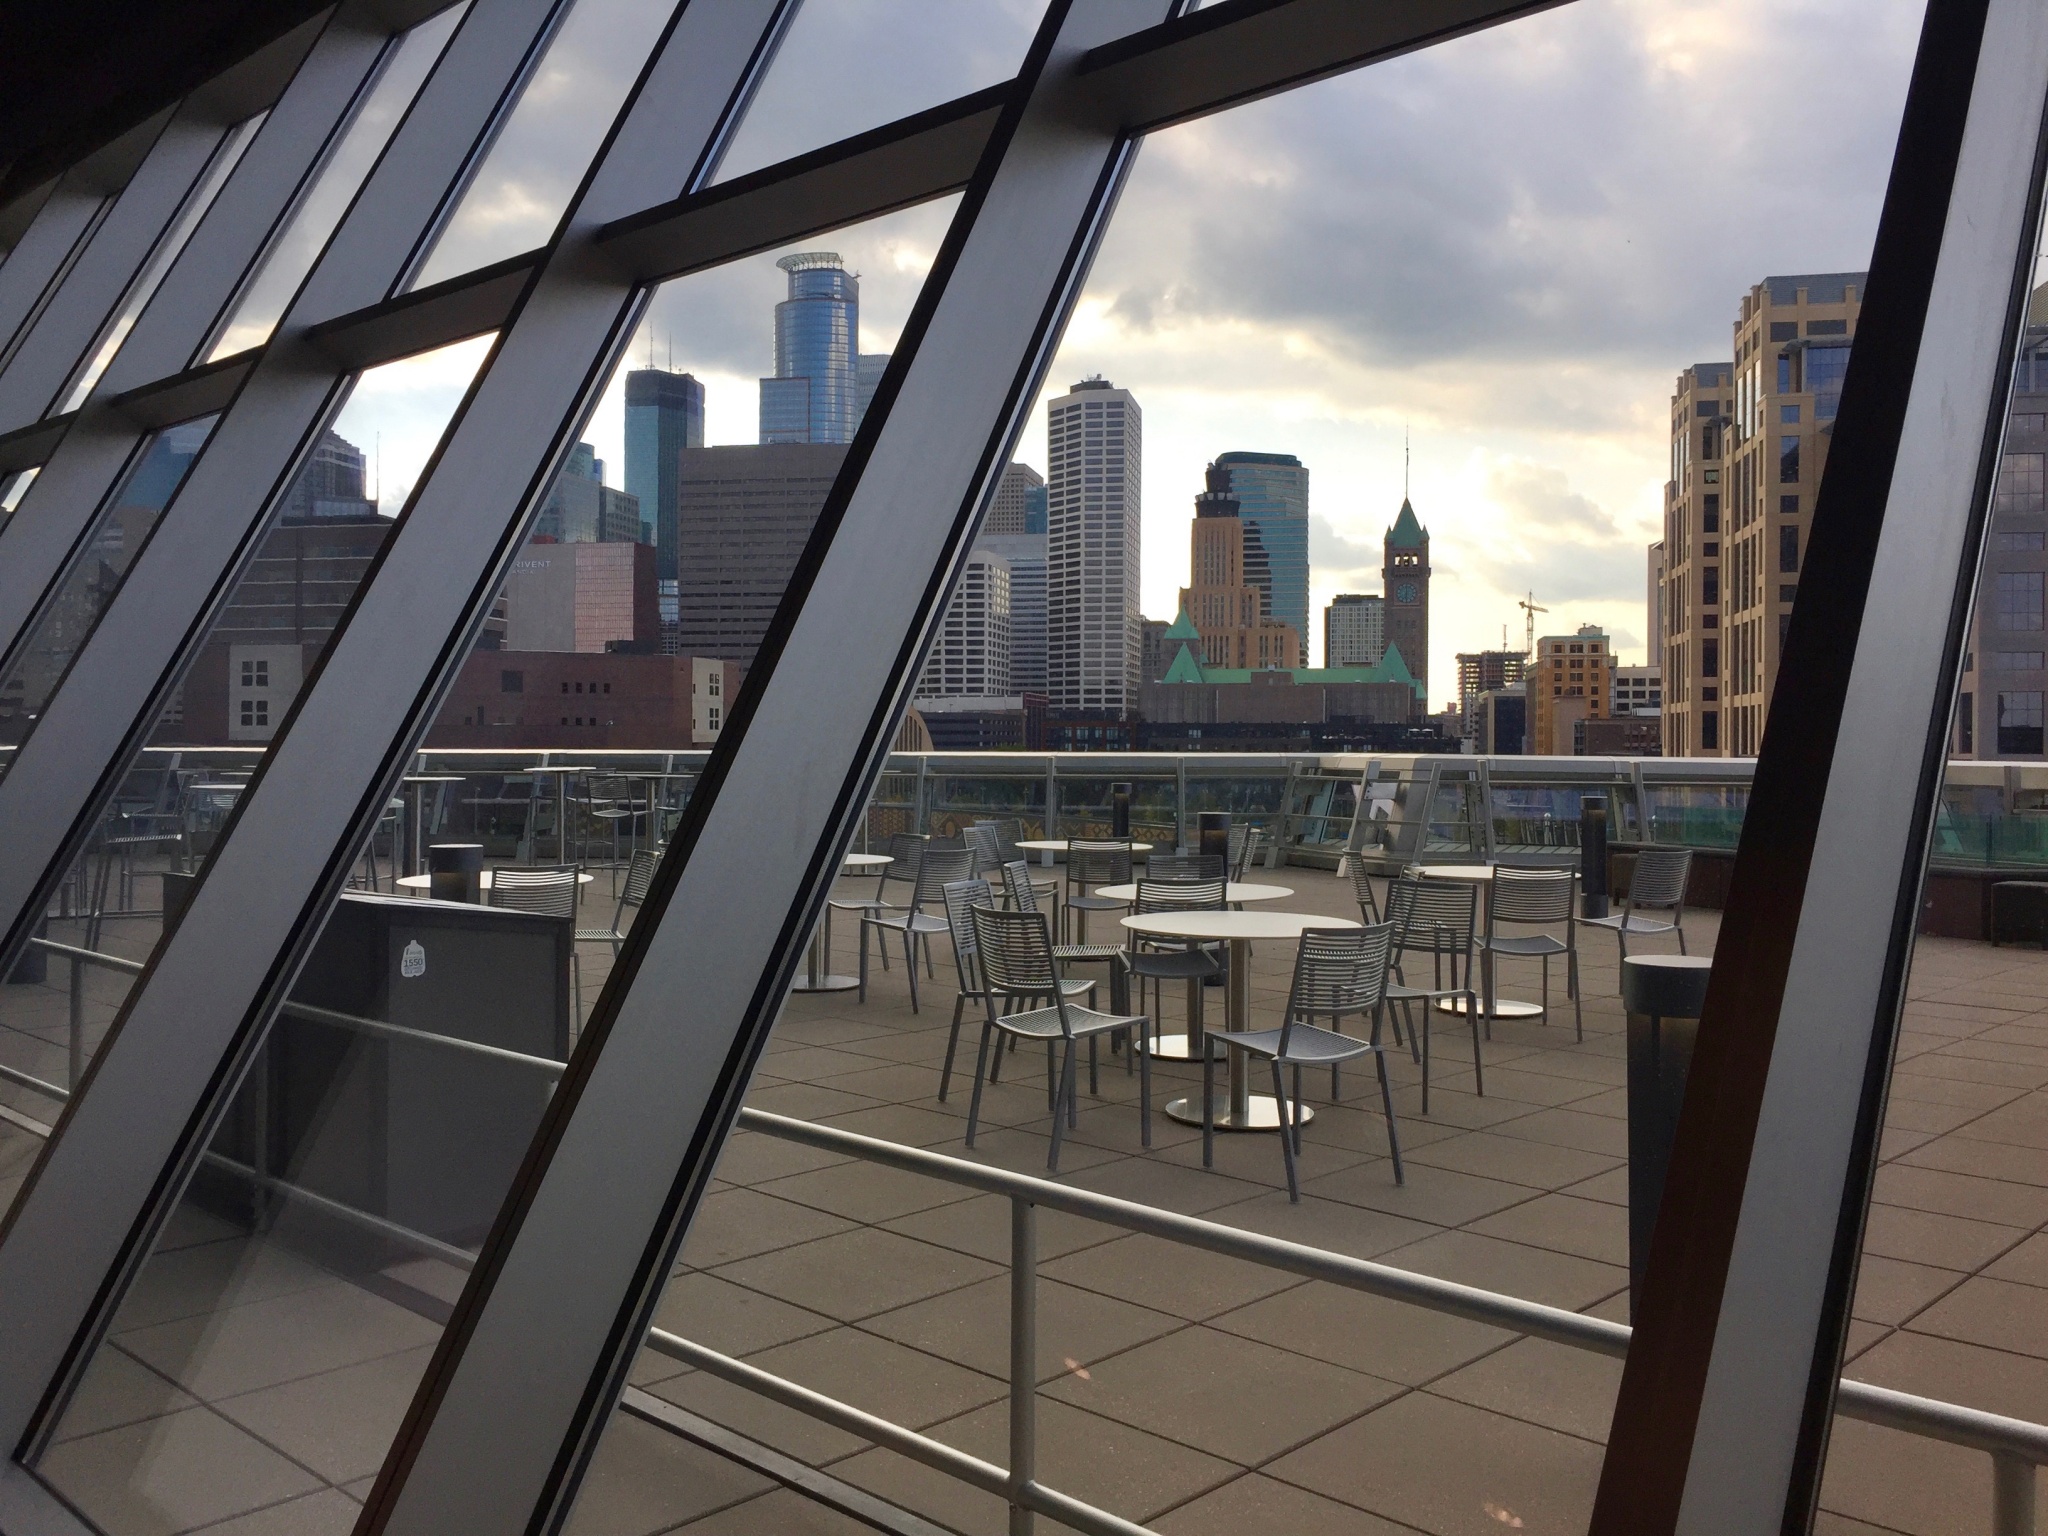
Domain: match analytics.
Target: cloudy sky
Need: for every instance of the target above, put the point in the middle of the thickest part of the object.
(1506, 246)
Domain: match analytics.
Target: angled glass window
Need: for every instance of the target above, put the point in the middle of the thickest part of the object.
(297, 245)
(12, 489)
(518, 194)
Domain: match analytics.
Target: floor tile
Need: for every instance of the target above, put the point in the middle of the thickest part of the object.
(117, 1389)
(858, 1273)
(1995, 1313)
(1257, 1503)
(171, 1474)
(340, 1423)
(1551, 1385)
(1076, 1328)
(645, 1479)
(1395, 1340)
(1590, 1229)
(1513, 1269)
(277, 1340)
(1168, 1277)
(731, 1318)
(738, 1223)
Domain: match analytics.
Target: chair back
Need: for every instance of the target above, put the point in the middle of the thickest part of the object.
(549, 890)
(1531, 895)
(939, 868)
(906, 851)
(1180, 895)
(1247, 851)
(639, 877)
(1337, 971)
(1007, 832)
(1433, 917)
(1015, 953)
(1098, 863)
(1361, 886)
(1017, 886)
(1184, 866)
(986, 847)
(962, 897)
(1659, 880)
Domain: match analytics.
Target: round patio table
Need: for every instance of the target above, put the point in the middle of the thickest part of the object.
(483, 881)
(1180, 1047)
(817, 976)
(1480, 875)
(1046, 847)
(1245, 1111)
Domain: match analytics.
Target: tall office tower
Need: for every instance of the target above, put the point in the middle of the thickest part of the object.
(1010, 511)
(1404, 567)
(1094, 495)
(1482, 672)
(1228, 611)
(868, 368)
(1570, 679)
(332, 484)
(1702, 412)
(743, 516)
(581, 509)
(1653, 604)
(664, 415)
(815, 394)
(1272, 491)
(1999, 713)
(970, 659)
(1152, 658)
(1354, 630)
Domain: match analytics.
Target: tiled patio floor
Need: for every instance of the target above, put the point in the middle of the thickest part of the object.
(1190, 1392)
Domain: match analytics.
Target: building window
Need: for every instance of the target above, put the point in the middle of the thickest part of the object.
(1788, 550)
(1706, 408)
(2019, 724)
(2015, 661)
(1710, 512)
(1825, 367)
(1966, 724)
(714, 684)
(2029, 421)
(511, 682)
(1827, 327)
(1788, 460)
(2019, 599)
(1710, 585)
(257, 711)
(1712, 477)
(255, 674)
(1710, 658)
(1788, 506)
(2018, 543)
(1710, 728)
(1784, 330)
(1788, 415)
(1787, 594)
(2022, 479)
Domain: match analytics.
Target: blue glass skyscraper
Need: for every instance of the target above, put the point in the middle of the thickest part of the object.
(1272, 492)
(815, 394)
(664, 415)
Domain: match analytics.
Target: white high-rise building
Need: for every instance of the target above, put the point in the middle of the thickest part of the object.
(1093, 499)
(971, 657)
(1355, 630)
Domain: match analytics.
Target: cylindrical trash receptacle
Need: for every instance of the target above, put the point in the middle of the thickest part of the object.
(1212, 835)
(1119, 810)
(455, 871)
(1593, 896)
(1664, 996)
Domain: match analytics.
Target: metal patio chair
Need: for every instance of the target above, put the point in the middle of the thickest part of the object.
(1656, 885)
(962, 897)
(1438, 918)
(549, 890)
(1093, 863)
(905, 849)
(1016, 957)
(987, 848)
(1368, 899)
(1532, 898)
(1337, 972)
(1160, 960)
(1184, 866)
(936, 869)
(1048, 887)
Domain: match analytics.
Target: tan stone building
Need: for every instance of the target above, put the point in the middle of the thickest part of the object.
(1226, 608)
(1736, 519)
(1570, 681)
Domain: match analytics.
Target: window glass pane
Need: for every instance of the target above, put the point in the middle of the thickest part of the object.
(12, 488)
(293, 251)
(176, 795)
(541, 154)
(210, 182)
(851, 65)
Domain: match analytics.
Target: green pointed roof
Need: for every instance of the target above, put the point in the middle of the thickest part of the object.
(1407, 532)
(1185, 668)
(1393, 668)
(1183, 629)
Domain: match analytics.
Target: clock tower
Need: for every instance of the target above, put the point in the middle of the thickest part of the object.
(1405, 569)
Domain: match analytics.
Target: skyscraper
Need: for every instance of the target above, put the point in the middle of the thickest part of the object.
(867, 375)
(1011, 510)
(1355, 630)
(664, 415)
(1015, 531)
(1405, 569)
(815, 396)
(582, 509)
(971, 656)
(1228, 611)
(1093, 498)
(1272, 493)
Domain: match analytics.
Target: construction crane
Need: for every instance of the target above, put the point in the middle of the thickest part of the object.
(1530, 609)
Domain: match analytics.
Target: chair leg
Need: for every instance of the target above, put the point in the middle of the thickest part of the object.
(1287, 1133)
(910, 964)
(1546, 991)
(1428, 1008)
(1208, 1106)
(952, 1045)
(1062, 1108)
(929, 972)
(1393, 1135)
(1144, 1085)
(576, 985)
(864, 959)
(1478, 1072)
(1094, 1075)
(1571, 966)
(1297, 1109)
(980, 1068)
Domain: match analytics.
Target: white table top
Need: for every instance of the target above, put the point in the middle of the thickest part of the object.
(865, 861)
(1474, 872)
(1234, 925)
(1059, 844)
(426, 882)
(1232, 892)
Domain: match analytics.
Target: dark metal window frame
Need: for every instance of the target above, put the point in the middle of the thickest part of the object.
(655, 1093)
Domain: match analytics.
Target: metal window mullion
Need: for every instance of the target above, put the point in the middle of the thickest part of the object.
(75, 1217)
(46, 249)
(1721, 1425)
(117, 686)
(37, 543)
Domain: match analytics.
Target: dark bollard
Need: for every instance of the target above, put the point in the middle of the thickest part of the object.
(1593, 898)
(1119, 810)
(1664, 995)
(455, 871)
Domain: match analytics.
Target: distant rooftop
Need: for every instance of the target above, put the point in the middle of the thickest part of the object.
(1237, 457)
(1821, 287)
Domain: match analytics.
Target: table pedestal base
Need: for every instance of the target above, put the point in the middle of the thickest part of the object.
(817, 974)
(1262, 1114)
(1173, 1048)
(1503, 1007)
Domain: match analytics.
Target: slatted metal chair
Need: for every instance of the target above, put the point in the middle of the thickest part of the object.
(1656, 885)
(1048, 887)
(1245, 839)
(1023, 897)
(1533, 898)
(987, 848)
(1368, 899)
(1160, 960)
(639, 876)
(551, 891)
(962, 897)
(1185, 866)
(1092, 863)
(1338, 973)
(936, 869)
(1438, 918)
(905, 850)
(1017, 965)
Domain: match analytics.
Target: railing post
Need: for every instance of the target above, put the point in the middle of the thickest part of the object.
(1024, 1359)
(2012, 1495)
(77, 1042)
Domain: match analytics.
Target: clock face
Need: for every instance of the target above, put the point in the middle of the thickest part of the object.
(1405, 593)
